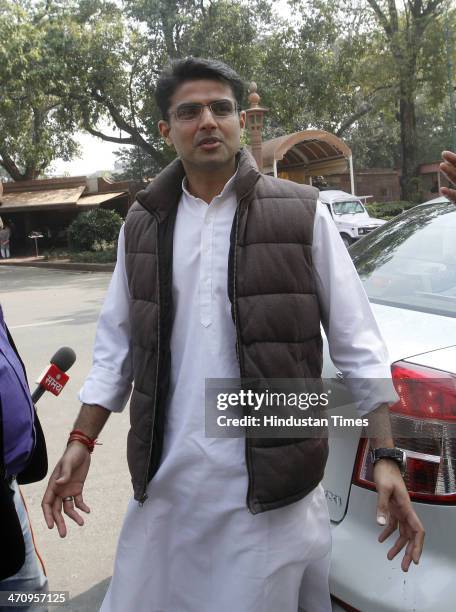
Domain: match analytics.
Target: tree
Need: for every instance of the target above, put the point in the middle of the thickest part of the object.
(33, 128)
(360, 96)
(404, 34)
(331, 66)
(110, 56)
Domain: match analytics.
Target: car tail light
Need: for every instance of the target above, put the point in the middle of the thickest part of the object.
(423, 424)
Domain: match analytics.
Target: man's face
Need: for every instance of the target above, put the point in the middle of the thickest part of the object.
(207, 142)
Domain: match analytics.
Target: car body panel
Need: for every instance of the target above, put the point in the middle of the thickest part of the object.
(361, 575)
(442, 359)
(399, 329)
(411, 332)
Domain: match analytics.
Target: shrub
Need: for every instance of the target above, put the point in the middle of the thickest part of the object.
(94, 230)
(109, 255)
(388, 210)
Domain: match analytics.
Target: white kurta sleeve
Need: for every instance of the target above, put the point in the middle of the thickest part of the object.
(109, 381)
(355, 343)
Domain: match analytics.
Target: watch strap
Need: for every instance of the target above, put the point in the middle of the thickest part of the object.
(396, 454)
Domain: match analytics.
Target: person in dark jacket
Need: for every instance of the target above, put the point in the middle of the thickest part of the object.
(23, 459)
(224, 272)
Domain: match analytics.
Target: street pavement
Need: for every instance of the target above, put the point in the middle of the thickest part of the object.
(47, 309)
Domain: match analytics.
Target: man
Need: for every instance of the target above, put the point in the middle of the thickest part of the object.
(222, 272)
(23, 459)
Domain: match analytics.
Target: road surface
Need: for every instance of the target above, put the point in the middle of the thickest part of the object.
(46, 309)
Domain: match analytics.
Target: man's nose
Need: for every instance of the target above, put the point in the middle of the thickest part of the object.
(207, 118)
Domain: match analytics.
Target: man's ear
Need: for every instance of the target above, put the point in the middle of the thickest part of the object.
(242, 118)
(164, 129)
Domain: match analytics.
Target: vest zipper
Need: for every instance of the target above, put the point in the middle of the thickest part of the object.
(248, 461)
(144, 495)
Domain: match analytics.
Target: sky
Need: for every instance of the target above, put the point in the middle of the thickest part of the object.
(97, 154)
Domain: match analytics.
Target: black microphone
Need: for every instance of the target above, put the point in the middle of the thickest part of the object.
(53, 378)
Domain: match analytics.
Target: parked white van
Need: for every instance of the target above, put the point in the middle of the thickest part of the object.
(349, 214)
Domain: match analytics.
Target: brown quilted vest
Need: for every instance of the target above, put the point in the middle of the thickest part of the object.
(275, 311)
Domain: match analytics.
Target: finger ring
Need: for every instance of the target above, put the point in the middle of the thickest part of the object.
(69, 498)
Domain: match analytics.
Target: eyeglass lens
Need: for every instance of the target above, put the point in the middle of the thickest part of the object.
(219, 108)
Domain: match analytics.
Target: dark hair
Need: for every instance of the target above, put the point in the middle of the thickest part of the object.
(192, 69)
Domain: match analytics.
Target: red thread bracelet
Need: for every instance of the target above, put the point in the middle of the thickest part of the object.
(79, 436)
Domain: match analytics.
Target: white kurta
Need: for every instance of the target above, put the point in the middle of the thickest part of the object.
(194, 546)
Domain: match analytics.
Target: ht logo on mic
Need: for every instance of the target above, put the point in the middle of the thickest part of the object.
(53, 379)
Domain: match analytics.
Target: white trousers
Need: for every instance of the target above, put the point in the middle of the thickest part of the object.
(286, 568)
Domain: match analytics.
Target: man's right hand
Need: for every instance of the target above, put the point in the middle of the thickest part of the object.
(66, 480)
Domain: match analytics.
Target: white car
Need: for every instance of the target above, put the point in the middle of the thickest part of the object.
(408, 268)
(349, 214)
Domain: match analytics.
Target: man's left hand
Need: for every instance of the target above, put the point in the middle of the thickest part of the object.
(394, 509)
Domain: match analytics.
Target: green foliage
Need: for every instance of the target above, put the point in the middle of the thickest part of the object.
(108, 255)
(388, 210)
(34, 129)
(329, 64)
(110, 55)
(94, 230)
(407, 29)
(133, 163)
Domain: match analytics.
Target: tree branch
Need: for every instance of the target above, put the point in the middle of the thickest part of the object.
(394, 17)
(363, 110)
(136, 137)
(121, 123)
(366, 107)
(381, 17)
(10, 166)
(118, 140)
(431, 8)
(130, 94)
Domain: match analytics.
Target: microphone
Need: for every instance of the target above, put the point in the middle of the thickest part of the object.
(53, 378)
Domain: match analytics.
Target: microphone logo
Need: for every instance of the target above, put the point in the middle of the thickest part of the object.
(53, 379)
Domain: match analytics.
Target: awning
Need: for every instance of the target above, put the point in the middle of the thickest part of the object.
(98, 198)
(40, 200)
(54, 199)
(317, 152)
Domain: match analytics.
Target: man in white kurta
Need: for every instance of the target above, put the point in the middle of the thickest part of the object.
(193, 546)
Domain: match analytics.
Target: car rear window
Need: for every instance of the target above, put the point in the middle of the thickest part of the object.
(410, 262)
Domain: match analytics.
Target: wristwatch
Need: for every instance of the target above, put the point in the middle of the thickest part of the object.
(396, 454)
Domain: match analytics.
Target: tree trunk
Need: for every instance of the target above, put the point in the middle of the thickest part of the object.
(406, 61)
(409, 178)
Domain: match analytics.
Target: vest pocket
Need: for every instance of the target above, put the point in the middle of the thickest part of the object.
(284, 474)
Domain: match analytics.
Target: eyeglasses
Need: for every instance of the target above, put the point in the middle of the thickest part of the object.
(193, 111)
